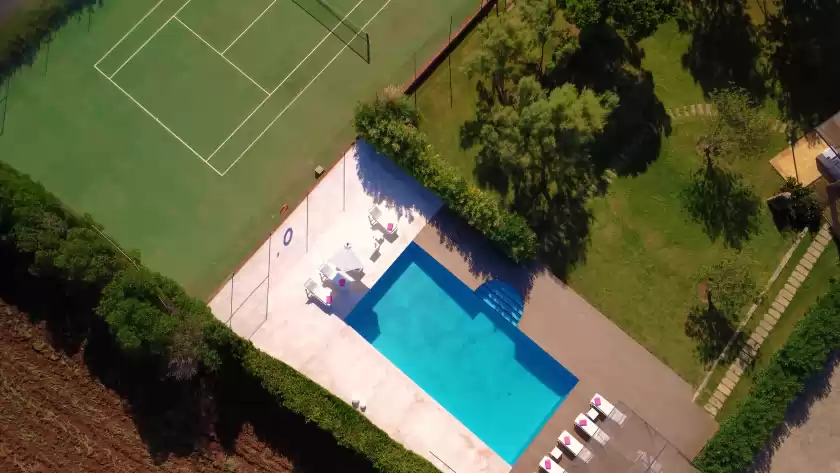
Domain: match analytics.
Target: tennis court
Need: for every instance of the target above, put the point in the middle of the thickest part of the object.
(183, 126)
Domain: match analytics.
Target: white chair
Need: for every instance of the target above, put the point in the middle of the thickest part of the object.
(574, 447)
(330, 273)
(548, 465)
(319, 292)
(588, 427)
(607, 409)
(387, 220)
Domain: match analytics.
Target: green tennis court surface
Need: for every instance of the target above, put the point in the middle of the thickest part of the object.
(183, 126)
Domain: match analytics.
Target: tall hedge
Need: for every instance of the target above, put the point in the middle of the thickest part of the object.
(743, 435)
(153, 319)
(389, 125)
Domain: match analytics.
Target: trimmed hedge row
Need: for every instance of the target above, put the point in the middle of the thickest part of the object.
(153, 319)
(389, 125)
(742, 436)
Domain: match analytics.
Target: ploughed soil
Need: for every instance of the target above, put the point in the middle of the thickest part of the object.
(58, 416)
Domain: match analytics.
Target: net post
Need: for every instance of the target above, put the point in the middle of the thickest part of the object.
(367, 42)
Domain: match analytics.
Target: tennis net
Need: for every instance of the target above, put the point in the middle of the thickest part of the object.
(339, 25)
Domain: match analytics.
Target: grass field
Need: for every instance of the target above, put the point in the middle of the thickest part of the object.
(644, 251)
(183, 126)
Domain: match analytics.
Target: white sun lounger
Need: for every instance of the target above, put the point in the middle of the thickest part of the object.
(548, 465)
(388, 220)
(573, 446)
(318, 291)
(607, 409)
(588, 426)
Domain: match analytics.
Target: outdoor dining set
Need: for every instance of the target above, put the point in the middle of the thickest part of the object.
(337, 272)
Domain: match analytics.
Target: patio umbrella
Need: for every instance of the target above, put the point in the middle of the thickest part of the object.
(346, 260)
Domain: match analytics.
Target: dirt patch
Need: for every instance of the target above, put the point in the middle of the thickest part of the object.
(55, 416)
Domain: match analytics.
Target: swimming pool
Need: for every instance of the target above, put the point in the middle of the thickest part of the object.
(478, 366)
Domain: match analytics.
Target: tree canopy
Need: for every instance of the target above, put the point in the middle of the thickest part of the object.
(637, 18)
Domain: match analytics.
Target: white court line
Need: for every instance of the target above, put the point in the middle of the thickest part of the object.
(150, 38)
(302, 91)
(249, 26)
(158, 120)
(284, 81)
(220, 54)
(129, 32)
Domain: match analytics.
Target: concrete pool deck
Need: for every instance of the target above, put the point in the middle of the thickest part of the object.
(604, 358)
(265, 302)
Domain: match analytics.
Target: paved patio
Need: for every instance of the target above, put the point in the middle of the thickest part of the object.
(595, 350)
(266, 303)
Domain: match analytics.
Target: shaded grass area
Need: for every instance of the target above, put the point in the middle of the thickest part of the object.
(818, 281)
(643, 253)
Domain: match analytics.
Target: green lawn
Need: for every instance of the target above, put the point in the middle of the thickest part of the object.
(817, 283)
(175, 151)
(644, 251)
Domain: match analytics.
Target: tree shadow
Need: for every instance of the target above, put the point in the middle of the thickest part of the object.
(632, 138)
(797, 414)
(724, 49)
(724, 204)
(712, 331)
(23, 49)
(803, 59)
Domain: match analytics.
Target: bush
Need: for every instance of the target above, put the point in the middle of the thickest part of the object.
(742, 436)
(801, 209)
(389, 125)
(155, 321)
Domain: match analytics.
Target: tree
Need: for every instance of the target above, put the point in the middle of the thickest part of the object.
(638, 18)
(540, 16)
(738, 127)
(503, 56)
(729, 287)
(538, 149)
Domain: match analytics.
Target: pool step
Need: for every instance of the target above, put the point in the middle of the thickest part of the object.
(503, 298)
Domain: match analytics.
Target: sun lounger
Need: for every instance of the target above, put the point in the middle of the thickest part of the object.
(388, 220)
(574, 447)
(548, 465)
(607, 409)
(588, 427)
(318, 291)
(593, 414)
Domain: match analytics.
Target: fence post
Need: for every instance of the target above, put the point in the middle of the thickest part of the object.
(268, 276)
(232, 276)
(449, 62)
(5, 105)
(414, 82)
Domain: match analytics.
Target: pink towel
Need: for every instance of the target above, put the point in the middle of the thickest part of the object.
(342, 282)
(547, 464)
(582, 422)
(567, 440)
(329, 299)
(390, 227)
(597, 401)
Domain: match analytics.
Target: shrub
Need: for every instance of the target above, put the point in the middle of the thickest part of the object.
(389, 125)
(742, 436)
(802, 210)
(153, 319)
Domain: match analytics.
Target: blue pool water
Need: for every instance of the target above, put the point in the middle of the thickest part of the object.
(478, 366)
